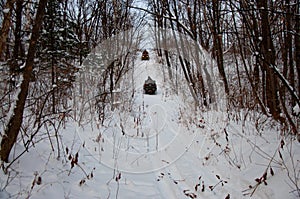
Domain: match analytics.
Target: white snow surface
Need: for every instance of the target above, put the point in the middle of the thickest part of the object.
(6, 10)
(296, 109)
(160, 149)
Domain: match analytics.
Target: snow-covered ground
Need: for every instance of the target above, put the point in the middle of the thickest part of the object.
(161, 148)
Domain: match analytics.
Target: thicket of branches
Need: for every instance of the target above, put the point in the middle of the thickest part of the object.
(42, 46)
(255, 45)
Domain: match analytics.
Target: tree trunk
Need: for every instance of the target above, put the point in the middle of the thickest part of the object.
(218, 46)
(14, 124)
(268, 60)
(289, 48)
(297, 44)
(17, 34)
(6, 25)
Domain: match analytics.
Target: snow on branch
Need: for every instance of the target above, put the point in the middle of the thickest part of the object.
(286, 83)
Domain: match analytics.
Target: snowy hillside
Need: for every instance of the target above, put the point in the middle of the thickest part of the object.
(157, 146)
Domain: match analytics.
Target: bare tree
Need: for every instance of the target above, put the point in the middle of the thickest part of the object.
(268, 78)
(15, 121)
(297, 43)
(217, 40)
(6, 24)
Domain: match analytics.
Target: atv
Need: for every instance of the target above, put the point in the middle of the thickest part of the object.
(150, 86)
(145, 55)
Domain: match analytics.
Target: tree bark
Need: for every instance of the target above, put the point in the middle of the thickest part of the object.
(268, 60)
(14, 124)
(17, 45)
(297, 44)
(217, 41)
(289, 48)
(6, 25)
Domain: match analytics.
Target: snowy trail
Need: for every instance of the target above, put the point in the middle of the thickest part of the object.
(174, 139)
(166, 112)
(150, 146)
